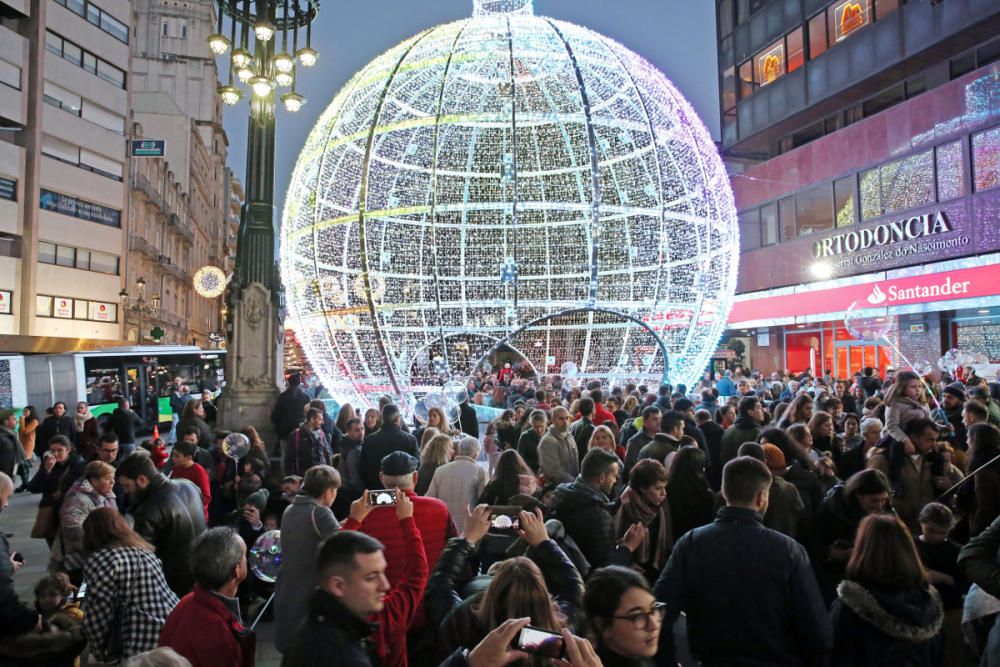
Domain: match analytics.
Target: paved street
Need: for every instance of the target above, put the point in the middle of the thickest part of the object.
(18, 519)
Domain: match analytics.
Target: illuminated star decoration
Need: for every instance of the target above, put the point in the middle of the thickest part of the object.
(514, 144)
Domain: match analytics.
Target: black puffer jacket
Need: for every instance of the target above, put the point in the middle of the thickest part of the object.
(459, 625)
(873, 627)
(388, 439)
(331, 635)
(588, 516)
(169, 514)
(838, 518)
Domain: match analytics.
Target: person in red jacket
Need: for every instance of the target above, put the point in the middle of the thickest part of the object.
(205, 627)
(354, 602)
(185, 468)
(399, 471)
(601, 414)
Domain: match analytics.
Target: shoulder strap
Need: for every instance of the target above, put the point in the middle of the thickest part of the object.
(312, 516)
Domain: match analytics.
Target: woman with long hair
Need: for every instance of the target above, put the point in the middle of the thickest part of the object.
(61, 466)
(512, 477)
(439, 450)
(824, 435)
(128, 599)
(426, 436)
(692, 502)
(344, 415)
(604, 438)
(981, 497)
(903, 404)
(623, 617)
(507, 433)
(436, 420)
(837, 519)
(546, 587)
(87, 431)
(886, 611)
(799, 411)
(644, 501)
(373, 421)
(27, 424)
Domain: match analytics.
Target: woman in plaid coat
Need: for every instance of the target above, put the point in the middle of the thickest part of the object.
(128, 599)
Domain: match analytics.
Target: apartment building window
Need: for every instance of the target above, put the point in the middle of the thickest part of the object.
(813, 210)
(77, 258)
(769, 224)
(81, 158)
(986, 159)
(749, 222)
(10, 75)
(61, 98)
(10, 245)
(97, 17)
(727, 17)
(69, 51)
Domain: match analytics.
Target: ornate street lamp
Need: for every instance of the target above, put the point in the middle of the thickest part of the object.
(137, 308)
(258, 65)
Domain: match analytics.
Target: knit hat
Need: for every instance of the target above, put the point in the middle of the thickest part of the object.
(774, 458)
(258, 499)
(956, 390)
(399, 463)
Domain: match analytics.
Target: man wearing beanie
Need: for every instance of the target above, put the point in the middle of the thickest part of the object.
(952, 402)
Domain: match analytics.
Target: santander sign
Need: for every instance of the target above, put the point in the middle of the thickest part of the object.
(960, 284)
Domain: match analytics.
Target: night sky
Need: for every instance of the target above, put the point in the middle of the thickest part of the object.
(677, 36)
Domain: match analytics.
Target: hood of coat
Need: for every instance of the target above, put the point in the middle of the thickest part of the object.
(913, 616)
(574, 495)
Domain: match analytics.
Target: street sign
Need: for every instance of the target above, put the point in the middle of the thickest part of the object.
(148, 147)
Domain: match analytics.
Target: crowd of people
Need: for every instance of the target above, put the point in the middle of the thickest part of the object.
(749, 521)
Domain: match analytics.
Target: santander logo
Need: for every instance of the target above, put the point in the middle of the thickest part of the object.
(877, 296)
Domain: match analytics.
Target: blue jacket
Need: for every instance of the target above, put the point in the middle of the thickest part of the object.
(726, 387)
(749, 593)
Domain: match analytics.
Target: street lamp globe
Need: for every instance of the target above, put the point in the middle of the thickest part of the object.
(261, 86)
(263, 30)
(230, 95)
(292, 101)
(283, 62)
(283, 79)
(307, 56)
(219, 44)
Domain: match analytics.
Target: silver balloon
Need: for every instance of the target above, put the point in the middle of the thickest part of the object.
(869, 329)
(236, 446)
(421, 411)
(435, 399)
(452, 411)
(264, 558)
(456, 391)
(569, 369)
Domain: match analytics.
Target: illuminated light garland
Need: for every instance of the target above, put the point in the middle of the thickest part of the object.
(495, 172)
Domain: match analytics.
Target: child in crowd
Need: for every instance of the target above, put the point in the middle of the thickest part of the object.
(61, 614)
(185, 468)
(939, 554)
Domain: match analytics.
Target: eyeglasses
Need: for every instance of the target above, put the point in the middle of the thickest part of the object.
(640, 619)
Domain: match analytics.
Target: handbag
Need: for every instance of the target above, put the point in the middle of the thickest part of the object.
(115, 646)
(45, 524)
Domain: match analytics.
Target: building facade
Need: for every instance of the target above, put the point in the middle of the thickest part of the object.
(181, 200)
(866, 139)
(64, 104)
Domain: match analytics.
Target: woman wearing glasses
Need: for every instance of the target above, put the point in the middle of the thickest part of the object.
(623, 617)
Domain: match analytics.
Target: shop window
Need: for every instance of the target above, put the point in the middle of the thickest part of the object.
(786, 218)
(986, 159)
(749, 230)
(817, 35)
(907, 183)
(884, 8)
(950, 168)
(814, 210)
(770, 63)
(795, 49)
(846, 17)
(843, 201)
(769, 224)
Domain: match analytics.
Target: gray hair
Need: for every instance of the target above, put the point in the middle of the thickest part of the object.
(215, 554)
(469, 446)
(163, 656)
(871, 424)
(398, 481)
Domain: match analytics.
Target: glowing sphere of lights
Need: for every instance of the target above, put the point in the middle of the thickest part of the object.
(210, 281)
(507, 179)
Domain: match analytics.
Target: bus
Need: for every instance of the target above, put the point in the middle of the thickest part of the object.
(142, 374)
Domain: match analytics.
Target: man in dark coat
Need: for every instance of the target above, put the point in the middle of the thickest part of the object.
(748, 592)
(583, 428)
(10, 448)
(167, 513)
(122, 423)
(307, 445)
(584, 509)
(58, 423)
(746, 428)
(468, 419)
(15, 617)
(713, 440)
(388, 439)
(289, 408)
(685, 407)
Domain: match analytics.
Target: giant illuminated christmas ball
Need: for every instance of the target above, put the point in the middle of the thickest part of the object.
(507, 182)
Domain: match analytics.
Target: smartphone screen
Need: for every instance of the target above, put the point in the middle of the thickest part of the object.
(381, 497)
(505, 517)
(540, 642)
(80, 594)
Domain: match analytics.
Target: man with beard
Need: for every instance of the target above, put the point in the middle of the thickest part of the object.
(167, 513)
(558, 459)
